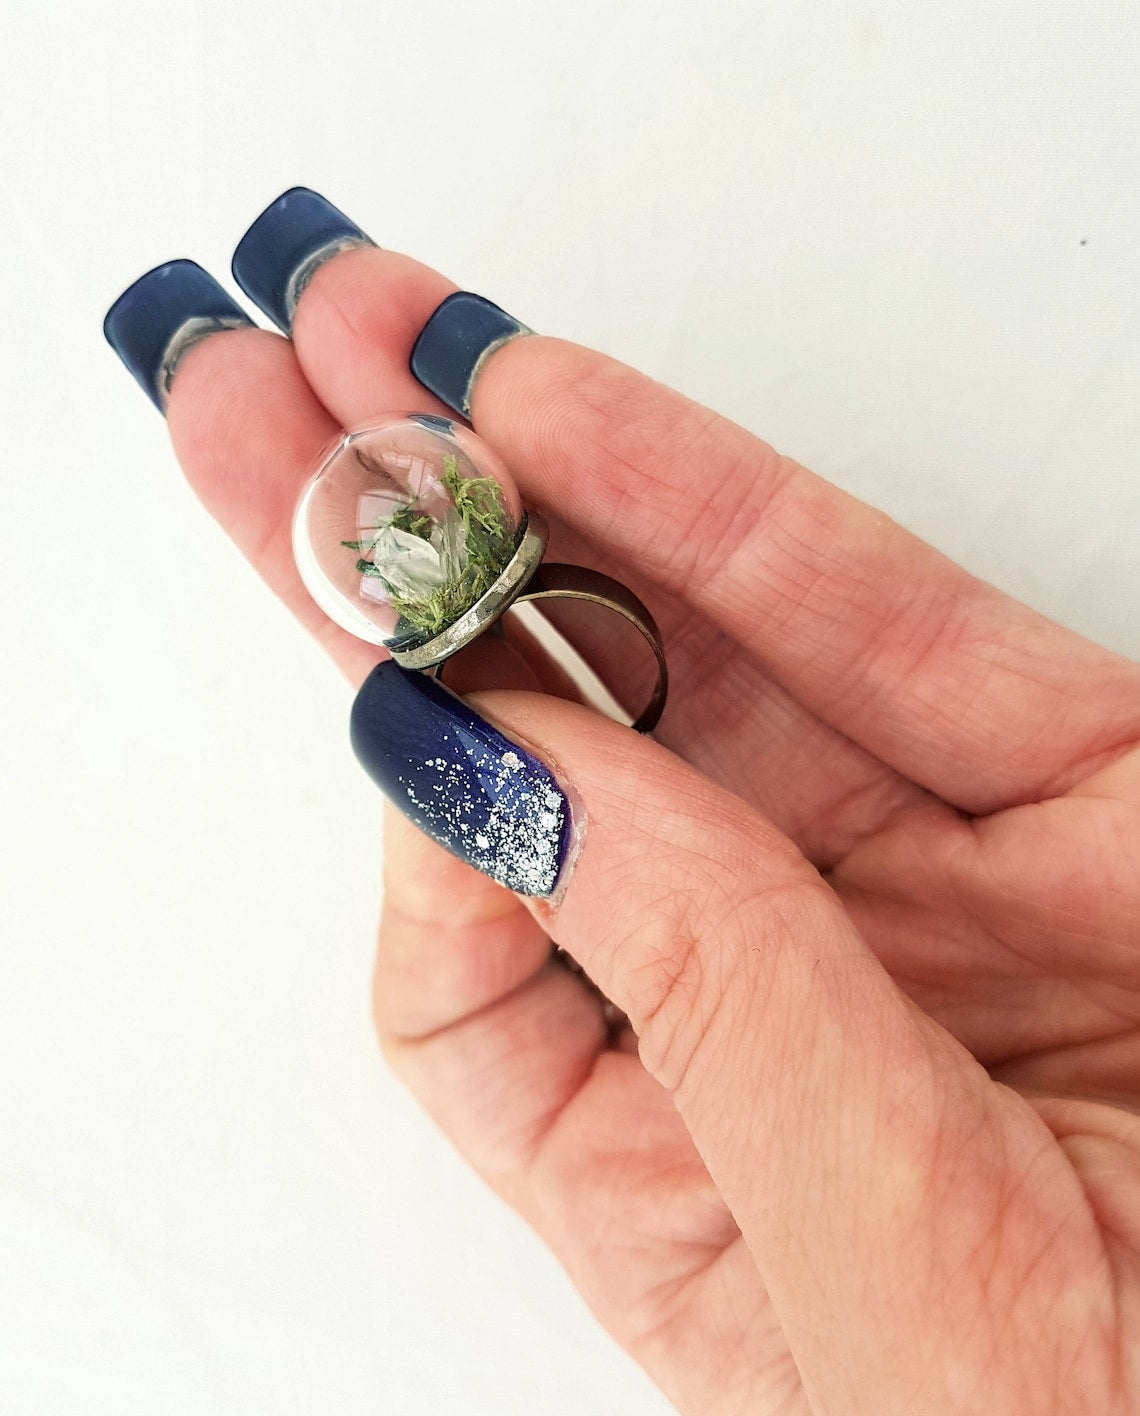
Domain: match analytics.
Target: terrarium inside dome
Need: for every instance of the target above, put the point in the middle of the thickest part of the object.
(406, 523)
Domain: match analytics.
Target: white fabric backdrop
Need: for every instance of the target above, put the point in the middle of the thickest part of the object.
(900, 241)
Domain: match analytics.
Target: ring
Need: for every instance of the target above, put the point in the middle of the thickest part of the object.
(410, 533)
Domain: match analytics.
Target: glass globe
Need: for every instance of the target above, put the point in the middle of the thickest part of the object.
(405, 524)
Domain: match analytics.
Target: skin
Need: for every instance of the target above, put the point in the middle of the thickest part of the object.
(870, 902)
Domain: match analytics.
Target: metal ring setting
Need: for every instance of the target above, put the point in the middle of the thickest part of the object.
(525, 577)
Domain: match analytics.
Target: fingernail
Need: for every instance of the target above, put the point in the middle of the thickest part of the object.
(456, 342)
(165, 313)
(459, 779)
(286, 246)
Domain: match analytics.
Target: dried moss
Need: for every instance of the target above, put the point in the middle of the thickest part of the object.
(489, 538)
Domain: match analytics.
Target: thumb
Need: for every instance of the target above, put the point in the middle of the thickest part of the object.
(893, 1197)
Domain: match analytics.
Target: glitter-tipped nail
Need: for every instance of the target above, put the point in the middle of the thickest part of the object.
(483, 797)
(165, 313)
(285, 247)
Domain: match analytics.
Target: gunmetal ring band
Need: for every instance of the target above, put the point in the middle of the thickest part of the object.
(525, 578)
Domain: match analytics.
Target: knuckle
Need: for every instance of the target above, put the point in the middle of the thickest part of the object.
(656, 457)
(703, 984)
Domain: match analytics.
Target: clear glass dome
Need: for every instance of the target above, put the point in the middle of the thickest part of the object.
(405, 524)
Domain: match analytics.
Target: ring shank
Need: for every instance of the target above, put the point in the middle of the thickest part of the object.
(575, 582)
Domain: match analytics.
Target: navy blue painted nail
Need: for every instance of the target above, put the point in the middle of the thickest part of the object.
(162, 315)
(452, 347)
(459, 779)
(286, 246)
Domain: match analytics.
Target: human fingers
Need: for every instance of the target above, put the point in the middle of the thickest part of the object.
(732, 720)
(957, 686)
(354, 326)
(247, 429)
(245, 424)
(512, 1057)
(832, 1115)
(453, 942)
(961, 689)
(462, 964)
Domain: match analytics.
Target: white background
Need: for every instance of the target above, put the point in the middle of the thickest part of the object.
(900, 241)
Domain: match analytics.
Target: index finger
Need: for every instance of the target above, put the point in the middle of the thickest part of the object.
(962, 689)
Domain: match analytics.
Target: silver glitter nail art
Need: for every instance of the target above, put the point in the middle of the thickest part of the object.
(514, 833)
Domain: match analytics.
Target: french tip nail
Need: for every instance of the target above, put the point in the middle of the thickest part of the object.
(286, 245)
(161, 315)
(460, 335)
(483, 797)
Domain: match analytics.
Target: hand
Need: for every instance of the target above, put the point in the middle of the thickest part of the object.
(870, 903)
